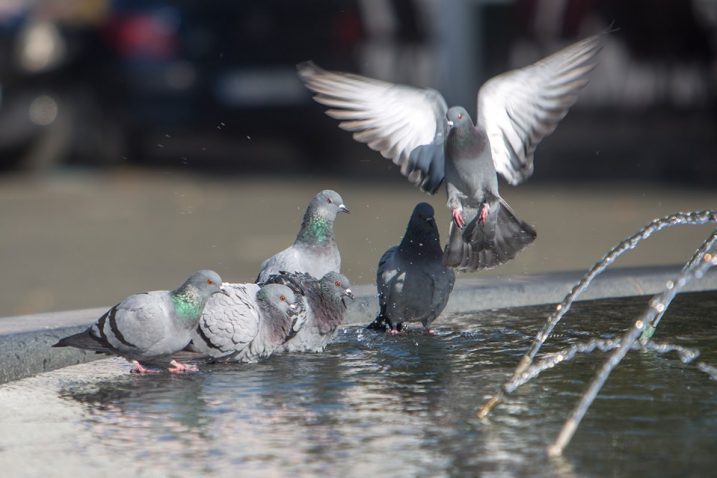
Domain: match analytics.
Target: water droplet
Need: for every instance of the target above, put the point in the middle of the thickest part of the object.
(558, 307)
(670, 285)
(639, 324)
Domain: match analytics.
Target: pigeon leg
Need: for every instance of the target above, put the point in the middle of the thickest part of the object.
(429, 331)
(178, 367)
(458, 218)
(483, 217)
(139, 369)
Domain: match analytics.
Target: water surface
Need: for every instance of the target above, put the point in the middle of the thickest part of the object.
(382, 405)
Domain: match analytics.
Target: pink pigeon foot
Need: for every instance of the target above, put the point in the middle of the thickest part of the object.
(139, 369)
(394, 331)
(429, 331)
(458, 218)
(483, 217)
(178, 367)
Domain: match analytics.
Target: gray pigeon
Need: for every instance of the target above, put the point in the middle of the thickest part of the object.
(314, 251)
(324, 304)
(249, 323)
(152, 326)
(412, 282)
(415, 129)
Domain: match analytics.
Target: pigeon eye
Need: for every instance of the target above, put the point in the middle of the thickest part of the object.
(210, 282)
(337, 283)
(282, 298)
(460, 115)
(329, 200)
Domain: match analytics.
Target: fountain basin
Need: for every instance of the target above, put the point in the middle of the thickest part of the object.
(384, 405)
(25, 340)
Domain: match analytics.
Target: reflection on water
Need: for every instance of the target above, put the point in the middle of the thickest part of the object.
(393, 406)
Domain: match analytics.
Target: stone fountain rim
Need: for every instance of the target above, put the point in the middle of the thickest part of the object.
(25, 340)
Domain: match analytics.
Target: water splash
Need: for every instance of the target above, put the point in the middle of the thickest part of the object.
(708, 369)
(700, 263)
(685, 354)
(677, 219)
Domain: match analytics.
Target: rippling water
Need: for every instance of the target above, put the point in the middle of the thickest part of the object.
(383, 405)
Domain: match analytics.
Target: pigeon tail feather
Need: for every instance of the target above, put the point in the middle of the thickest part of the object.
(490, 244)
(83, 340)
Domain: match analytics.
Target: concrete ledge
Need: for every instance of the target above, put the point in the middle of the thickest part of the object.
(25, 341)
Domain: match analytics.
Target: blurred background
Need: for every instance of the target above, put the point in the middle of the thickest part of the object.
(142, 140)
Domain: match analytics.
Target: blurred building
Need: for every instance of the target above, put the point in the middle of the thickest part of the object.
(190, 84)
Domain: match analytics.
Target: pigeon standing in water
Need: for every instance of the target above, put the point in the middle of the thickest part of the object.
(431, 143)
(325, 308)
(412, 282)
(314, 251)
(249, 323)
(152, 326)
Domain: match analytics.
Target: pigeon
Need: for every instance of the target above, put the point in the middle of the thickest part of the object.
(314, 251)
(248, 324)
(412, 281)
(325, 306)
(151, 326)
(431, 143)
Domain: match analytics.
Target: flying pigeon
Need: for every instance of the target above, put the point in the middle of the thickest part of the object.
(314, 251)
(249, 323)
(431, 143)
(324, 304)
(412, 282)
(151, 326)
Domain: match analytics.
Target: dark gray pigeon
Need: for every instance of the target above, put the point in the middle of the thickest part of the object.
(152, 326)
(412, 282)
(314, 251)
(415, 129)
(324, 304)
(249, 323)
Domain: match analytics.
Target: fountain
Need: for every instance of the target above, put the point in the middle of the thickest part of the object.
(643, 328)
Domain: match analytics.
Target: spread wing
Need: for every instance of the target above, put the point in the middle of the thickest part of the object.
(405, 124)
(519, 108)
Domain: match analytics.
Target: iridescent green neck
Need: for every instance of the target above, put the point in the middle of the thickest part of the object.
(316, 229)
(188, 303)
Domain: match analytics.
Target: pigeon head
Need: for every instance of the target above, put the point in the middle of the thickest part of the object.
(189, 299)
(318, 224)
(277, 297)
(336, 286)
(457, 116)
(327, 204)
(421, 237)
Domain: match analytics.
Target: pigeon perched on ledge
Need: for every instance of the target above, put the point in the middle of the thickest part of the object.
(249, 323)
(314, 251)
(412, 282)
(431, 143)
(323, 300)
(150, 327)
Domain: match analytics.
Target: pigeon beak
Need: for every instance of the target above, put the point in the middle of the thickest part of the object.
(292, 306)
(343, 208)
(450, 123)
(349, 294)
